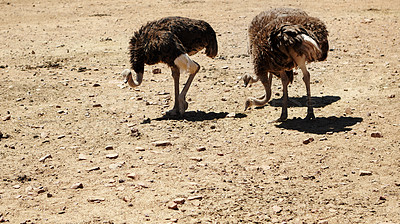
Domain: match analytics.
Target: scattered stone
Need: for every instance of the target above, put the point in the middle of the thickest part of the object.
(133, 176)
(220, 154)
(7, 117)
(157, 71)
(61, 136)
(40, 190)
(76, 186)
(82, 157)
(391, 96)
(376, 135)
(97, 105)
(135, 132)
(93, 168)
(179, 201)
(96, 199)
(276, 209)
(365, 173)
(45, 157)
(198, 197)
(96, 85)
(197, 159)
(162, 143)
(225, 67)
(116, 165)
(112, 156)
(82, 69)
(201, 149)
(172, 205)
(109, 147)
(307, 141)
(17, 186)
(323, 222)
(2, 219)
(140, 149)
(347, 111)
(231, 115)
(142, 185)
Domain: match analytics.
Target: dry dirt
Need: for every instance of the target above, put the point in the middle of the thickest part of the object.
(62, 104)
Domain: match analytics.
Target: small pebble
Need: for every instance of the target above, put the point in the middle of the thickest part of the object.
(133, 176)
(365, 173)
(198, 197)
(201, 149)
(309, 140)
(140, 149)
(157, 71)
(6, 118)
(162, 143)
(82, 157)
(112, 156)
(231, 115)
(44, 158)
(96, 199)
(93, 168)
(76, 186)
(172, 205)
(197, 159)
(276, 209)
(109, 147)
(179, 201)
(376, 135)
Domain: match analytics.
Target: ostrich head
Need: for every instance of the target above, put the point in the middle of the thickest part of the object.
(127, 74)
(248, 79)
(249, 103)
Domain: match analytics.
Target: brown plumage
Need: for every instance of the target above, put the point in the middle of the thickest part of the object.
(280, 40)
(171, 40)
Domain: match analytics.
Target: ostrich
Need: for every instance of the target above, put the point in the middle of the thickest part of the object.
(280, 40)
(171, 40)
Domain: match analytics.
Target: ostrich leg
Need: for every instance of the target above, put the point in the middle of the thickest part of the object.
(175, 75)
(306, 79)
(301, 63)
(184, 63)
(183, 105)
(285, 83)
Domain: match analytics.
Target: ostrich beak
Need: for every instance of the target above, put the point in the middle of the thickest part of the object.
(126, 74)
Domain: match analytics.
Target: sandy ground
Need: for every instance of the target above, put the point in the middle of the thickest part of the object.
(76, 146)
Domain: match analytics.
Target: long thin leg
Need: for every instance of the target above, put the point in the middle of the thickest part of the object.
(301, 63)
(175, 75)
(183, 105)
(306, 79)
(285, 83)
(184, 63)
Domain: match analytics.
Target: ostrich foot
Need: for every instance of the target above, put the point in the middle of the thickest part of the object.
(310, 116)
(183, 105)
(172, 113)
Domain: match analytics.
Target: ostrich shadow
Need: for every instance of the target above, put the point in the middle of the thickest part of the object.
(199, 116)
(321, 125)
(318, 102)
